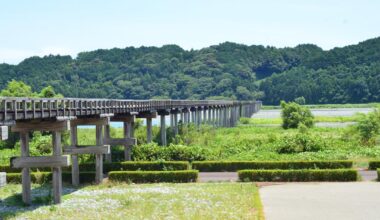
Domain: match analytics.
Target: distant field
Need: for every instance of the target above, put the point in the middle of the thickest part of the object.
(259, 121)
(366, 105)
(145, 201)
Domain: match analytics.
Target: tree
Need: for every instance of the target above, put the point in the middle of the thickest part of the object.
(293, 115)
(300, 100)
(17, 89)
(48, 92)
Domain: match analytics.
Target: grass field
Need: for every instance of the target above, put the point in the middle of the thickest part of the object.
(317, 119)
(146, 201)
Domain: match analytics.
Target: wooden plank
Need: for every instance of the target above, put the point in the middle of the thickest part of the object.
(40, 161)
(121, 141)
(87, 150)
(26, 126)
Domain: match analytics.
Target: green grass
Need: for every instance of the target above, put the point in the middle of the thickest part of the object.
(145, 201)
(278, 121)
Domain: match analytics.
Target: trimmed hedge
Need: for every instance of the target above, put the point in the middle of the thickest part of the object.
(222, 166)
(45, 177)
(341, 175)
(374, 164)
(116, 166)
(183, 176)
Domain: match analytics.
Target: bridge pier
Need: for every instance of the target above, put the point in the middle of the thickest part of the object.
(56, 161)
(162, 114)
(174, 113)
(99, 149)
(149, 115)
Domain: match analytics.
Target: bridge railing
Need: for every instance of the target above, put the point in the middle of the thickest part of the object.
(14, 108)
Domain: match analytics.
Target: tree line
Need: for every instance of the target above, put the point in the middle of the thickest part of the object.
(226, 71)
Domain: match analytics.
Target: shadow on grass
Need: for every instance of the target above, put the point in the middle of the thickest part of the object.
(42, 195)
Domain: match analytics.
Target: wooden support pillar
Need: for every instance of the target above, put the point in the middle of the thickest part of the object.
(26, 185)
(57, 171)
(107, 137)
(149, 129)
(99, 157)
(163, 130)
(172, 121)
(204, 115)
(175, 117)
(198, 117)
(193, 115)
(128, 133)
(209, 117)
(74, 157)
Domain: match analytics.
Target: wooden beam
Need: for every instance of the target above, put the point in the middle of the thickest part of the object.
(40, 161)
(90, 121)
(122, 141)
(26, 126)
(87, 150)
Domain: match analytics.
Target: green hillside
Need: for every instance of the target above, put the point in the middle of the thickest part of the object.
(342, 75)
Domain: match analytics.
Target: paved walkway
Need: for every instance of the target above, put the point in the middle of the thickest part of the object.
(232, 176)
(218, 176)
(316, 201)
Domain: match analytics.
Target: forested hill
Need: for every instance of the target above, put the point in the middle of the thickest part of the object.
(229, 70)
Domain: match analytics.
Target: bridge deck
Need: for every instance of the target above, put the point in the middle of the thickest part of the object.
(12, 109)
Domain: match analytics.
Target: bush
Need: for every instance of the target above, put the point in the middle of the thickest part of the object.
(300, 142)
(298, 175)
(45, 177)
(294, 114)
(378, 174)
(374, 164)
(222, 166)
(154, 176)
(368, 127)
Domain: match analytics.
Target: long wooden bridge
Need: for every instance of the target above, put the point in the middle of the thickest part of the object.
(55, 115)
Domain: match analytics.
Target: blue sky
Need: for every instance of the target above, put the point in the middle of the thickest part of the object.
(40, 28)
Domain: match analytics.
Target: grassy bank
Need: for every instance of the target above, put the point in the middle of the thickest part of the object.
(146, 201)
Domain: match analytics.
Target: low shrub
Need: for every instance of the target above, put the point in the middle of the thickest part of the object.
(84, 177)
(183, 176)
(378, 174)
(300, 142)
(153, 152)
(298, 175)
(116, 166)
(37, 177)
(222, 166)
(374, 164)
(45, 177)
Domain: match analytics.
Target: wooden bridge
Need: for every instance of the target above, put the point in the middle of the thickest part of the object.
(56, 115)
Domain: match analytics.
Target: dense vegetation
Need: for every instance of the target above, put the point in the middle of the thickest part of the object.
(342, 75)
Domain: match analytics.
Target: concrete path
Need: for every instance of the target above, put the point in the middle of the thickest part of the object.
(316, 201)
(218, 177)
